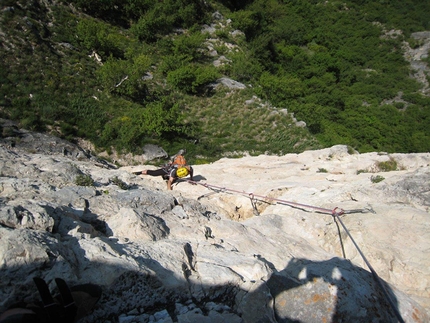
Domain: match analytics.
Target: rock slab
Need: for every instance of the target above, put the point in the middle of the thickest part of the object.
(211, 255)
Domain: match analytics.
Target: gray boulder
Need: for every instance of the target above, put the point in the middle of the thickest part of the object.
(151, 152)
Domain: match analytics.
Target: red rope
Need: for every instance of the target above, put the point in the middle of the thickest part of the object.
(336, 212)
(252, 195)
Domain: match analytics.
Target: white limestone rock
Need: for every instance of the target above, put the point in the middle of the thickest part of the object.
(240, 256)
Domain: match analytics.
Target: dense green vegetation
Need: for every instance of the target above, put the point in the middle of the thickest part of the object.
(331, 63)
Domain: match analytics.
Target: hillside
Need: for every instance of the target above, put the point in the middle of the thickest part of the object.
(219, 77)
(255, 239)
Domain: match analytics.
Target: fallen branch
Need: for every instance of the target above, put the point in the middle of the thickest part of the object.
(126, 77)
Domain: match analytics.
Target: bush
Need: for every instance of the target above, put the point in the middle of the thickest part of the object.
(192, 79)
(121, 184)
(101, 37)
(32, 122)
(280, 89)
(124, 77)
(138, 125)
(160, 17)
(244, 68)
(387, 166)
(189, 46)
(84, 180)
(151, 26)
(376, 179)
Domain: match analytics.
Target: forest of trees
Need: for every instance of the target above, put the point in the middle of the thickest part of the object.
(329, 62)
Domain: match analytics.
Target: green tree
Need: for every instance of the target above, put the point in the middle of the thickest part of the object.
(189, 46)
(125, 77)
(152, 25)
(244, 68)
(100, 37)
(248, 22)
(157, 120)
(280, 89)
(192, 79)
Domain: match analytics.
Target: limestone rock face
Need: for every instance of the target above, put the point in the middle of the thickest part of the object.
(253, 241)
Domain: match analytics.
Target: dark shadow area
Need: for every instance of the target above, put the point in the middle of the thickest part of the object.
(130, 291)
(333, 289)
(198, 178)
(320, 285)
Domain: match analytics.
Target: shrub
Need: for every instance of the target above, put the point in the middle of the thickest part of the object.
(84, 180)
(377, 178)
(387, 166)
(121, 184)
(182, 78)
(351, 150)
(171, 63)
(6, 132)
(279, 89)
(222, 34)
(150, 26)
(124, 77)
(99, 36)
(156, 121)
(189, 46)
(192, 79)
(244, 68)
(32, 122)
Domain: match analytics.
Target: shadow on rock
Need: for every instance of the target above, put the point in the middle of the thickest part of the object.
(331, 291)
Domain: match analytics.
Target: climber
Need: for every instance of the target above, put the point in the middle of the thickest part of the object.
(176, 168)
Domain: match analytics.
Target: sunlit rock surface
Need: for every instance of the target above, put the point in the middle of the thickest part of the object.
(253, 241)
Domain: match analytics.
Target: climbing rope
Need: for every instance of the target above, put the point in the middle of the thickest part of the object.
(252, 197)
(374, 274)
(336, 213)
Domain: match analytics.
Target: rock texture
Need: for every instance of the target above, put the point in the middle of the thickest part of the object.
(417, 56)
(251, 242)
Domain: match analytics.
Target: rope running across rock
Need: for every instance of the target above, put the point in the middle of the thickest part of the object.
(336, 213)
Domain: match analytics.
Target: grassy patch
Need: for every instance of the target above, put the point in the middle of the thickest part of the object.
(376, 179)
(387, 166)
(121, 184)
(84, 180)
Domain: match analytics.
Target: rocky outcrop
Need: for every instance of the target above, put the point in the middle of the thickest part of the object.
(218, 251)
(416, 56)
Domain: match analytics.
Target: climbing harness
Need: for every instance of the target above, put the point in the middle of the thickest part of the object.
(336, 214)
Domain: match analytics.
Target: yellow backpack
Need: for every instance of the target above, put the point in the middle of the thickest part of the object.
(182, 172)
